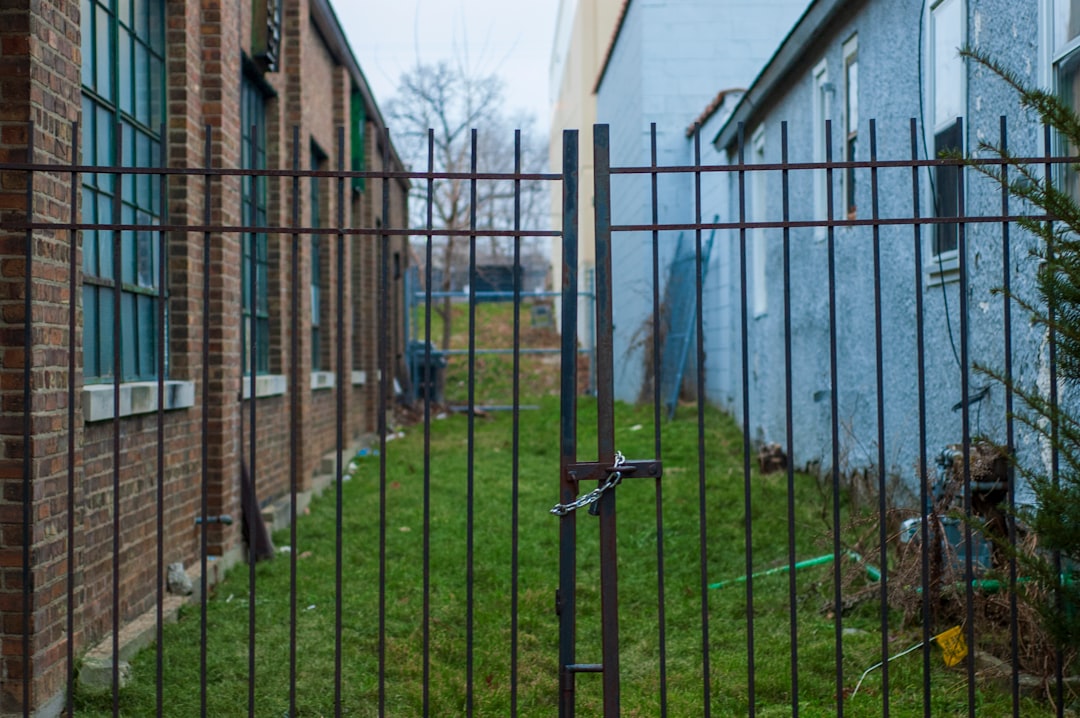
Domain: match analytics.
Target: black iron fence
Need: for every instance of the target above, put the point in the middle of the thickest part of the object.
(896, 349)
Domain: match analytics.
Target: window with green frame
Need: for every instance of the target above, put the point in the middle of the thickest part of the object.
(123, 59)
(255, 328)
(318, 158)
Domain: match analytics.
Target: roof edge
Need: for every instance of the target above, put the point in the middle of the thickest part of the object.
(611, 45)
(806, 29)
(712, 108)
(327, 22)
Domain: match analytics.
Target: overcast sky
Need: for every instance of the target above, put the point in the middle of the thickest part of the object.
(511, 38)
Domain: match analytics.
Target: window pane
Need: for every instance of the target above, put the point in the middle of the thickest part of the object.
(127, 255)
(1068, 82)
(104, 146)
(105, 238)
(853, 95)
(127, 340)
(103, 54)
(144, 257)
(91, 367)
(128, 160)
(106, 332)
(124, 67)
(86, 32)
(852, 147)
(155, 183)
(142, 84)
(89, 236)
(144, 159)
(156, 94)
(140, 17)
(946, 196)
(146, 308)
(263, 360)
(261, 290)
(947, 28)
(1066, 22)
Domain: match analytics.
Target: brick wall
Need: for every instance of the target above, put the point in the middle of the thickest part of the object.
(40, 82)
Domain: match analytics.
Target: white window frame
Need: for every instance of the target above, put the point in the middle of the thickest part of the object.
(945, 266)
(759, 236)
(850, 53)
(1052, 56)
(820, 113)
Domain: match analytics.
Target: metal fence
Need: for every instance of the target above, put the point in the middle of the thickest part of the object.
(482, 651)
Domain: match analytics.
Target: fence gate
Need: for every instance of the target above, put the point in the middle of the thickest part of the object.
(592, 484)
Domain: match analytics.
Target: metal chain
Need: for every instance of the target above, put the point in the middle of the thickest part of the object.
(593, 496)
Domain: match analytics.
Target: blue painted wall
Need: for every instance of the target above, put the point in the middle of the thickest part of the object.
(671, 59)
(889, 90)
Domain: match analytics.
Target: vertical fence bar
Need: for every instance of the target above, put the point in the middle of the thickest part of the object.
(565, 597)
(159, 632)
(384, 390)
(429, 388)
(515, 448)
(789, 427)
(28, 424)
(73, 288)
(117, 271)
(834, 411)
(253, 238)
(1010, 428)
(471, 459)
(294, 405)
(339, 411)
(605, 420)
(744, 333)
(205, 428)
(924, 494)
(657, 439)
(1055, 428)
(699, 279)
(744, 328)
(965, 420)
(879, 356)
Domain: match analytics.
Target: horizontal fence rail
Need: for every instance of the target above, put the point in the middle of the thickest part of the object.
(838, 524)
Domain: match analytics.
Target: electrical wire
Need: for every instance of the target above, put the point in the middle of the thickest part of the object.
(933, 187)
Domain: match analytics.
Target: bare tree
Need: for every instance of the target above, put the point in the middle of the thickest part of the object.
(435, 111)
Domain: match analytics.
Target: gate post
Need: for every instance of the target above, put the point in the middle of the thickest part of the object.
(605, 413)
(565, 596)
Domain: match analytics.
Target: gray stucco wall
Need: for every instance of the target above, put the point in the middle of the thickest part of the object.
(889, 90)
(671, 59)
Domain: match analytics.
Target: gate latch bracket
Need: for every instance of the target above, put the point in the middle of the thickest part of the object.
(599, 471)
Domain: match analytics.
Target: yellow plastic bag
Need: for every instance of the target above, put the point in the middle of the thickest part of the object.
(953, 647)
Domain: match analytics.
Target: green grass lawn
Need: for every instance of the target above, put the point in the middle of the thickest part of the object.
(538, 624)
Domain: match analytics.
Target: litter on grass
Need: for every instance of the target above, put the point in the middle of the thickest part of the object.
(953, 649)
(872, 572)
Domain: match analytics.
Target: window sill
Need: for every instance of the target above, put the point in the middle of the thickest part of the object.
(359, 378)
(943, 270)
(265, 385)
(322, 380)
(136, 397)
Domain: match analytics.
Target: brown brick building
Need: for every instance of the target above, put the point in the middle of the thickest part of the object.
(165, 71)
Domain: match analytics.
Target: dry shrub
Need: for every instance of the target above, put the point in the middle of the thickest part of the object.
(941, 571)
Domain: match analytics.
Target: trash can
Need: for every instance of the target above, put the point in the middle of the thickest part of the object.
(427, 376)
